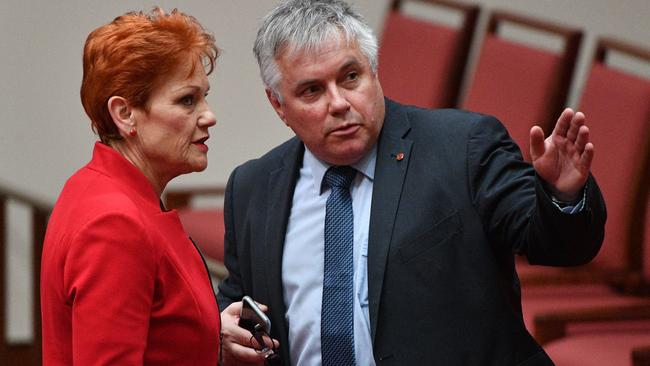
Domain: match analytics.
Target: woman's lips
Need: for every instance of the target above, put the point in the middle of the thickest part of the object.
(200, 144)
(202, 147)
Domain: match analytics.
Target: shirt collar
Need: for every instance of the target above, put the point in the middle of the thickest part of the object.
(318, 167)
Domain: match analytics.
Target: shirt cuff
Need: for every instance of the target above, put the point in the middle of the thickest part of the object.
(572, 207)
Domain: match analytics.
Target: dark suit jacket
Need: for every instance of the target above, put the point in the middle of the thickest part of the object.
(446, 221)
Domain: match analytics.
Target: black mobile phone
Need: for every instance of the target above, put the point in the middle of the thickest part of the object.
(253, 318)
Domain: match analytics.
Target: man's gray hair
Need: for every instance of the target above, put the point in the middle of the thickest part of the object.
(306, 26)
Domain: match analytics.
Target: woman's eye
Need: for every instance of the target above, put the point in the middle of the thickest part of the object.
(187, 100)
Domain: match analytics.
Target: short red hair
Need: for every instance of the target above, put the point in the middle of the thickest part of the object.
(130, 55)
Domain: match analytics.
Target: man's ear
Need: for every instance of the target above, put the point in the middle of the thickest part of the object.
(275, 103)
(122, 115)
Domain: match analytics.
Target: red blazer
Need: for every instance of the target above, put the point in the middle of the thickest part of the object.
(121, 283)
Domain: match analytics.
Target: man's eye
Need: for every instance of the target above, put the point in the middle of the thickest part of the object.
(311, 90)
(351, 76)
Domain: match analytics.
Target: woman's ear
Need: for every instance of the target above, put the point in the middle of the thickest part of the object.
(122, 115)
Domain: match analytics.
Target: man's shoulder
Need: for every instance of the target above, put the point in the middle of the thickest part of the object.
(446, 118)
(259, 169)
(274, 157)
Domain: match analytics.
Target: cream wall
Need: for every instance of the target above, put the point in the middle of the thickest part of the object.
(46, 136)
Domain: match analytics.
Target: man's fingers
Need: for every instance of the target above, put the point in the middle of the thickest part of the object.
(268, 342)
(587, 156)
(243, 354)
(564, 122)
(536, 142)
(577, 122)
(583, 138)
(239, 346)
(237, 342)
(233, 309)
(262, 307)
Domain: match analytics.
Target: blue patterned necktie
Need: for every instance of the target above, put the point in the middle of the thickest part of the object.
(337, 317)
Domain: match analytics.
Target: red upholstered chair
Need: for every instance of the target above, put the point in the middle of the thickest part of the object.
(522, 84)
(612, 343)
(597, 314)
(205, 225)
(617, 107)
(601, 334)
(421, 62)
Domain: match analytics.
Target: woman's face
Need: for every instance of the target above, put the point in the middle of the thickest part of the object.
(171, 135)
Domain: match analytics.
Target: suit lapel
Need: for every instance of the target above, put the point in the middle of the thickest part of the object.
(393, 153)
(281, 185)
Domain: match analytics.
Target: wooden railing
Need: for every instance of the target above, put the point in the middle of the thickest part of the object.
(11, 353)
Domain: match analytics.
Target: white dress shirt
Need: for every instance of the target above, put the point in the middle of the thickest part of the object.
(302, 263)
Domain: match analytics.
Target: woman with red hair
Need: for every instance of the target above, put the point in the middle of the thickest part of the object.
(121, 281)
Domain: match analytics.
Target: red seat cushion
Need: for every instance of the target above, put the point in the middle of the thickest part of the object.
(545, 299)
(598, 349)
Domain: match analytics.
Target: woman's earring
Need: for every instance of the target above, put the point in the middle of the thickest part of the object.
(132, 132)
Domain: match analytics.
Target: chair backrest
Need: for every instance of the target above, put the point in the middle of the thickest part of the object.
(617, 107)
(523, 85)
(206, 228)
(205, 225)
(422, 62)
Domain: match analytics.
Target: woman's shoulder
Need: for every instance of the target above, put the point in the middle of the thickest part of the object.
(93, 192)
(90, 200)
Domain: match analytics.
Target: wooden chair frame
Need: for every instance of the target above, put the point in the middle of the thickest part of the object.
(641, 356)
(553, 325)
(23, 354)
(181, 197)
(635, 248)
(572, 38)
(630, 280)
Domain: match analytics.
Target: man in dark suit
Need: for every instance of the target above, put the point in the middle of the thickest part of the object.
(441, 201)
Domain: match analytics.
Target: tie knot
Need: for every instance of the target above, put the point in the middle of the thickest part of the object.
(339, 176)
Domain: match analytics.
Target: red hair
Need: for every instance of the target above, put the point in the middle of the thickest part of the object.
(131, 55)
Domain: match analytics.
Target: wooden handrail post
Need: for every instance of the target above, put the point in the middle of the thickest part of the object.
(22, 354)
(3, 233)
(39, 225)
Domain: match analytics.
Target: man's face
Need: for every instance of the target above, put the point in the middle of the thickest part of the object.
(332, 100)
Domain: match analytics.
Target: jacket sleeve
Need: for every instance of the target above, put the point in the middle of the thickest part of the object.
(230, 289)
(517, 213)
(109, 279)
